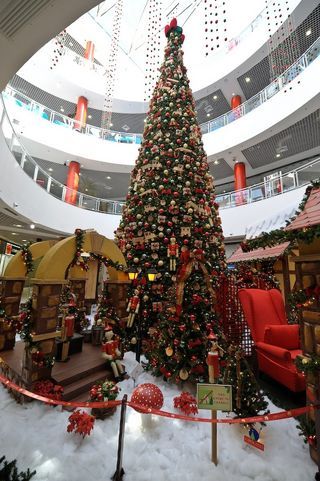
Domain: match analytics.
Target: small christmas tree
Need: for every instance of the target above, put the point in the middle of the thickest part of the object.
(170, 224)
(9, 471)
(107, 313)
(247, 397)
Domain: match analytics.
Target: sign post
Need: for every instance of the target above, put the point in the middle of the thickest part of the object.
(216, 397)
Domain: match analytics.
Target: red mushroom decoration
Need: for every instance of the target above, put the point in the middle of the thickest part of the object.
(147, 395)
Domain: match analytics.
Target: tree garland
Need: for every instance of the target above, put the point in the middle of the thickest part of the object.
(308, 364)
(278, 236)
(38, 358)
(307, 429)
(84, 262)
(27, 257)
(25, 319)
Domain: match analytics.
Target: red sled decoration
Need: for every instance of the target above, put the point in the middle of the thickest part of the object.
(253, 443)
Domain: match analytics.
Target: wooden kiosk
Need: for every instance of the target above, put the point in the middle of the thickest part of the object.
(49, 278)
(307, 269)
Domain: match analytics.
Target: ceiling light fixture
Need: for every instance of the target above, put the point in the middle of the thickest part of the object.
(278, 155)
(108, 177)
(50, 169)
(24, 240)
(215, 97)
(71, 44)
(17, 225)
(308, 32)
(216, 162)
(32, 226)
(89, 116)
(111, 125)
(208, 115)
(248, 79)
(14, 233)
(61, 109)
(86, 190)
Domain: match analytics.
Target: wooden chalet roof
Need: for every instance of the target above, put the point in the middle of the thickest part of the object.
(261, 253)
(310, 216)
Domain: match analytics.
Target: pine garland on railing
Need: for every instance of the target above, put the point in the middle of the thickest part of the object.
(278, 236)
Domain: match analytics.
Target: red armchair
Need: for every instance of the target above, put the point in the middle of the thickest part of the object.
(277, 343)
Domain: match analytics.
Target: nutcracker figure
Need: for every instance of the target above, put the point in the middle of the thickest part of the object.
(111, 352)
(213, 358)
(173, 252)
(133, 307)
(208, 212)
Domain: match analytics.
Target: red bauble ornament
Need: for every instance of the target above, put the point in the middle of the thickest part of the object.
(165, 240)
(147, 395)
(186, 242)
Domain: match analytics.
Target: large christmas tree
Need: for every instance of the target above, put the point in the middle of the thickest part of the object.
(170, 223)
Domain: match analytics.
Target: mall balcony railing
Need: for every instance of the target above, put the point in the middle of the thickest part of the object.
(278, 185)
(57, 118)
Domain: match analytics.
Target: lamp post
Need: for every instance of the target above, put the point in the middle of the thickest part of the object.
(150, 275)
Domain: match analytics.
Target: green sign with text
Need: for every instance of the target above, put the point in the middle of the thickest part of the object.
(217, 397)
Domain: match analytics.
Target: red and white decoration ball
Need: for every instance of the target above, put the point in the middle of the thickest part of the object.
(147, 395)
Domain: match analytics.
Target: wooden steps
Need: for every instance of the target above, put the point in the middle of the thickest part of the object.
(80, 372)
(82, 386)
(76, 375)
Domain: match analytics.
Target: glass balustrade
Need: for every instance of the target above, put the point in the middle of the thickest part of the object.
(18, 99)
(291, 180)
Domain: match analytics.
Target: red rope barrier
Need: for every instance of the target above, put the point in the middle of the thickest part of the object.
(254, 419)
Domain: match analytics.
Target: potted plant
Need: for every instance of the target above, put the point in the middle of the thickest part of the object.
(104, 391)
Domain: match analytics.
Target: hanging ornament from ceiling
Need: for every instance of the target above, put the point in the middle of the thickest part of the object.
(112, 66)
(59, 45)
(215, 25)
(283, 45)
(154, 31)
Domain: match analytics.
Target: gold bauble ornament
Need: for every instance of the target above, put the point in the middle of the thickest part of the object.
(183, 374)
(169, 351)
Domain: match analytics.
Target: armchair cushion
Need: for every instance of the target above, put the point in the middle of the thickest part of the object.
(285, 336)
(274, 351)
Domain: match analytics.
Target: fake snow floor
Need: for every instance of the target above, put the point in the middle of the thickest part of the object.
(35, 434)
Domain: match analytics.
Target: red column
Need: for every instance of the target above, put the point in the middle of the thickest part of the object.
(89, 52)
(81, 113)
(235, 104)
(72, 182)
(235, 101)
(240, 182)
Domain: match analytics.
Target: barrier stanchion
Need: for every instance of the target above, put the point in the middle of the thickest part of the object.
(118, 475)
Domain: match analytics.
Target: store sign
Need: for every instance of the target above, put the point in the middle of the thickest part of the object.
(216, 397)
